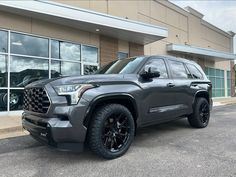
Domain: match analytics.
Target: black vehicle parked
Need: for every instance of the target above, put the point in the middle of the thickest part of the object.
(106, 108)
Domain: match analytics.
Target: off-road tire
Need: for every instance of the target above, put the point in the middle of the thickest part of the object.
(96, 128)
(201, 113)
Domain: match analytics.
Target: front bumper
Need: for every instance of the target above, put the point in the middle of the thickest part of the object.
(55, 132)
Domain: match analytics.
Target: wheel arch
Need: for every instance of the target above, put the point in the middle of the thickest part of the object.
(201, 94)
(124, 99)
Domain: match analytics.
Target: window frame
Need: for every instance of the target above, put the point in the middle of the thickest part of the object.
(30, 35)
(8, 54)
(120, 52)
(171, 71)
(187, 68)
(153, 58)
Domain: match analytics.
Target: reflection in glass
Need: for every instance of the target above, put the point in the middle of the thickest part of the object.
(65, 50)
(69, 51)
(160, 66)
(3, 71)
(89, 54)
(178, 70)
(194, 71)
(65, 68)
(23, 71)
(29, 45)
(55, 49)
(122, 55)
(3, 100)
(3, 41)
(89, 69)
(16, 99)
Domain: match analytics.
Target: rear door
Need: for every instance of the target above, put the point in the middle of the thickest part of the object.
(182, 97)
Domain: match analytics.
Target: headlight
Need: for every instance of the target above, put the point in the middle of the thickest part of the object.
(74, 91)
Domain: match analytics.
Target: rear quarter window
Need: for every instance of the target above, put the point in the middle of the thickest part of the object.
(196, 74)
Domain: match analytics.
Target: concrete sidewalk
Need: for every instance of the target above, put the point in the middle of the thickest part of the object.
(11, 125)
(224, 101)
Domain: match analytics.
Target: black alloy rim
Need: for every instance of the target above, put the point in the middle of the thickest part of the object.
(116, 132)
(204, 113)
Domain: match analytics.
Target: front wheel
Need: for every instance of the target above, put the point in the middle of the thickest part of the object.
(201, 114)
(111, 131)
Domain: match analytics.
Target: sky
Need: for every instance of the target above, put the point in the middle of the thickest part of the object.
(221, 13)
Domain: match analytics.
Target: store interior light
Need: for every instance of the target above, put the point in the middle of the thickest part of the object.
(97, 30)
(17, 43)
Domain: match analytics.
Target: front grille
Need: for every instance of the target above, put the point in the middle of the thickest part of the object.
(36, 100)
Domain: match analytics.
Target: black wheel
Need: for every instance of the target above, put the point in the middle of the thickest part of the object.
(111, 131)
(201, 114)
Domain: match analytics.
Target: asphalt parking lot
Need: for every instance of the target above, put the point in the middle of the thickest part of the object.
(173, 149)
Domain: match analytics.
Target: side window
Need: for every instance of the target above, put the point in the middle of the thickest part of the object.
(178, 70)
(196, 74)
(160, 66)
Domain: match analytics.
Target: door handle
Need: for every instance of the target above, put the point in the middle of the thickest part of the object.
(170, 85)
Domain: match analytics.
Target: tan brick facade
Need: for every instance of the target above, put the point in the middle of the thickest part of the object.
(135, 49)
(108, 49)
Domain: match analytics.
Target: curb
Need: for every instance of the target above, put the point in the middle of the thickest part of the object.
(11, 129)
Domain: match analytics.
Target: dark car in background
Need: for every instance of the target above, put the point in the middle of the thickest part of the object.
(104, 110)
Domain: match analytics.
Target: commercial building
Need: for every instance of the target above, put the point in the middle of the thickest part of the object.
(45, 39)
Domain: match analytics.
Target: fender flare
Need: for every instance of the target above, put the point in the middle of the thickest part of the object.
(107, 97)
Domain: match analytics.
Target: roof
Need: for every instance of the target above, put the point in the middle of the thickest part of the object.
(87, 20)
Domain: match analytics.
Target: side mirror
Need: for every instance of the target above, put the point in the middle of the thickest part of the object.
(150, 72)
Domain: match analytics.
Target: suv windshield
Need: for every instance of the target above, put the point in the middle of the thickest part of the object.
(123, 66)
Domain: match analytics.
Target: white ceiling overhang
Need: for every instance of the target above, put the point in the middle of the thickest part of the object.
(198, 51)
(87, 20)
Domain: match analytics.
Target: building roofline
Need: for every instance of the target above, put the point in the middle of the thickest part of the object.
(185, 11)
(217, 29)
(87, 20)
(194, 12)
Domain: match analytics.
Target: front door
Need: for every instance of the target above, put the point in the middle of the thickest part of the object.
(158, 94)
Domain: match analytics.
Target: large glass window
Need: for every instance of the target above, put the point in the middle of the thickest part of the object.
(3, 100)
(16, 99)
(90, 69)
(178, 70)
(3, 71)
(229, 83)
(29, 61)
(3, 41)
(122, 55)
(26, 70)
(29, 45)
(65, 68)
(65, 50)
(89, 54)
(216, 76)
(160, 66)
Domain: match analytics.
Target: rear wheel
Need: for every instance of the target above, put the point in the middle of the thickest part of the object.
(201, 114)
(111, 131)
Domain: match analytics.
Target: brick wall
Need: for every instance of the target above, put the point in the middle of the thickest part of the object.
(135, 49)
(108, 49)
(201, 62)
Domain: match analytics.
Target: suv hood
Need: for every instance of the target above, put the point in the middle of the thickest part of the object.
(98, 78)
(94, 79)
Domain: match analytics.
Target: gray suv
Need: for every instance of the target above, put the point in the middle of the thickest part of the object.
(104, 110)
